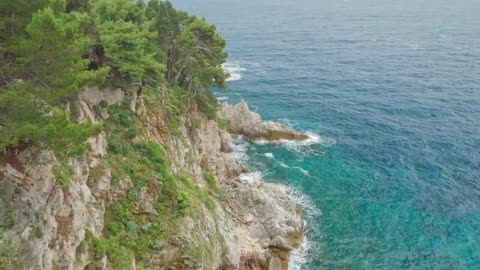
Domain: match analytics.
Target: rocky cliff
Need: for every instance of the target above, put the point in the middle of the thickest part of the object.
(145, 197)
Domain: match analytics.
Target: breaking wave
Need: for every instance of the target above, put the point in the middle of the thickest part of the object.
(234, 71)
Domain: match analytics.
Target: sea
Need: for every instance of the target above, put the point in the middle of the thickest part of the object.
(389, 92)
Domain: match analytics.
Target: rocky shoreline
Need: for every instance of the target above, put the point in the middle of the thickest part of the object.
(253, 225)
(242, 121)
(274, 224)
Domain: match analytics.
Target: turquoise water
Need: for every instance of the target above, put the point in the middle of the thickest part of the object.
(393, 90)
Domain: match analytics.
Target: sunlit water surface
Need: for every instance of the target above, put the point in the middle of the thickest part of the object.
(390, 91)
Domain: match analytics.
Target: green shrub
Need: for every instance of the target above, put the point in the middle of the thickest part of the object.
(8, 220)
(121, 115)
(63, 174)
(39, 232)
(133, 132)
(11, 255)
(29, 120)
(212, 182)
(221, 123)
(197, 122)
(184, 203)
(175, 109)
(207, 104)
(149, 92)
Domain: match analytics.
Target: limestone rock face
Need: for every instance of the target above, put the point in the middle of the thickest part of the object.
(254, 225)
(270, 223)
(50, 221)
(242, 121)
(95, 96)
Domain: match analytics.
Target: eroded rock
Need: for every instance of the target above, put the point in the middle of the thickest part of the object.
(242, 121)
(253, 225)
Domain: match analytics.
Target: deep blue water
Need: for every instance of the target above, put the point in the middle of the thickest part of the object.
(393, 89)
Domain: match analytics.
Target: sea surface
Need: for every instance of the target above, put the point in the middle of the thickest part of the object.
(389, 90)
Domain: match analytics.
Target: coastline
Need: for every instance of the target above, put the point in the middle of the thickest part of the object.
(236, 225)
(240, 145)
(248, 125)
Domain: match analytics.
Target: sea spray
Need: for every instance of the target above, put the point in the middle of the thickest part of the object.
(233, 71)
(269, 155)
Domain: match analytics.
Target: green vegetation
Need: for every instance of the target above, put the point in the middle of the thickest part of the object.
(10, 254)
(14, 16)
(222, 123)
(41, 68)
(131, 233)
(7, 217)
(51, 50)
(212, 182)
(195, 194)
(39, 232)
(62, 174)
(175, 108)
(126, 36)
(197, 122)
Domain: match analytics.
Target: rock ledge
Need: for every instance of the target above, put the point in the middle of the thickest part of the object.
(242, 121)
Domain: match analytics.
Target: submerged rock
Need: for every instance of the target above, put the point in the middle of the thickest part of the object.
(242, 121)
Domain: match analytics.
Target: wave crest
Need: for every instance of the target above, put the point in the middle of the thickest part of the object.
(251, 176)
(313, 138)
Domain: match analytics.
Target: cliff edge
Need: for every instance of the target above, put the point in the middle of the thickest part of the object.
(145, 197)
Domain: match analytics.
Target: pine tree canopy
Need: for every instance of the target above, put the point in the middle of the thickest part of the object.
(50, 50)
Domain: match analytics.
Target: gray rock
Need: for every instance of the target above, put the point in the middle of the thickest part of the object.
(253, 224)
(242, 121)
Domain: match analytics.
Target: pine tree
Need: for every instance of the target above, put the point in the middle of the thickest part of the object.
(194, 50)
(14, 16)
(126, 36)
(193, 53)
(51, 57)
(48, 68)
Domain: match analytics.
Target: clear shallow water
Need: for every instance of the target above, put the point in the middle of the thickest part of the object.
(393, 89)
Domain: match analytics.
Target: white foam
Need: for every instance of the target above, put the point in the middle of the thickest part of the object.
(239, 148)
(305, 172)
(269, 155)
(301, 199)
(283, 164)
(299, 256)
(233, 70)
(313, 138)
(251, 176)
(222, 98)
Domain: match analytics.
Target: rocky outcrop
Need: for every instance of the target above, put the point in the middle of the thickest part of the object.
(269, 223)
(254, 225)
(49, 221)
(242, 121)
